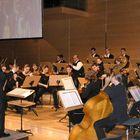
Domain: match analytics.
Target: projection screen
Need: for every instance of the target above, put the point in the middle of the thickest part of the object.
(20, 19)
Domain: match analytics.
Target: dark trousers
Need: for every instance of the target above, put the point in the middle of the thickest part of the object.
(101, 124)
(2, 115)
(43, 90)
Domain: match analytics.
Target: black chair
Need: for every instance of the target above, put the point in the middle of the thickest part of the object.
(132, 125)
(113, 138)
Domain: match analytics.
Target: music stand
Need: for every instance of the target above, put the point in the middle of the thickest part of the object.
(135, 108)
(22, 94)
(61, 67)
(70, 98)
(55, 80)
(31, 81)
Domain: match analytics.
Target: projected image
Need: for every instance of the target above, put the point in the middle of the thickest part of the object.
(20, 19)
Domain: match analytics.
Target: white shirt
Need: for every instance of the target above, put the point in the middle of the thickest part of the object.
(78, 66)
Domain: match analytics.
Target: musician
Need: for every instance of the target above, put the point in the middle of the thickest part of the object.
(93, 53)
(22, 75)
(107, 54)
(124, 54)
(92, 89)
(45, 88)
(35, 70)
(99, 72)
(60, 59)
(3, 78)
(69, 71)
(117, 94)
(77, 66)
(100, 64)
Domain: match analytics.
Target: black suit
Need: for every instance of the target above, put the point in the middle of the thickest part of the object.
(110, 56)
(118, 98)
(3, 78)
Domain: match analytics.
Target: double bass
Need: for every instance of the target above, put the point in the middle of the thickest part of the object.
(95, 109)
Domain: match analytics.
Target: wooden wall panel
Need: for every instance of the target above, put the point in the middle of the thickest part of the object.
(77, 35)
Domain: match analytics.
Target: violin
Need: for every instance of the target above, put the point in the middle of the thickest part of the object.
(96, 108)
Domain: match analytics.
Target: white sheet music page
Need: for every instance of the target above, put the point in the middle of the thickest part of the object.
(70, 98)
(135, 92)
(68, 83)
(21, 93)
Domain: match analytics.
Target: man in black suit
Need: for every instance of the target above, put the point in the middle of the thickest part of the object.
(4, 77)
(107, 54)
(118, 98)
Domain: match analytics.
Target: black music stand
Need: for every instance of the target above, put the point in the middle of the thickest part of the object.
(135, 110)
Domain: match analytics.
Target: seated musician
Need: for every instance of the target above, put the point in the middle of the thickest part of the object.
(60, 59)
(107, 54)
(35, 70)
(117, 94)
(100, 64)
(92, 89)
(124, 54)
(45, 88)
(69, 71)
(22, 75)
(99, 72)
(77, 66)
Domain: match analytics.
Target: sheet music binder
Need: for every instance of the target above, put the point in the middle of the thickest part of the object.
(135, 92)
(70, 97)
(20, 93)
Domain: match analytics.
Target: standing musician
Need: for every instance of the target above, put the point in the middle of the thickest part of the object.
(4, 77)
(117, 94)
(44, 87)
(77, 66)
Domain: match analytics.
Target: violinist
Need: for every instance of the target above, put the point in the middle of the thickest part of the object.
(117, 94)
(45, 88)
(92, 89)
(22, 75)
(69, 71)
(35, 70)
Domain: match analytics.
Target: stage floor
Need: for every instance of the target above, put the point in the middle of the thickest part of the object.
(47, 126)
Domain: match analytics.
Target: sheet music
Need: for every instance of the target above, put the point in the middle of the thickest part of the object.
(70, 98)
(135, 92)
(21, 93)
(68, 83)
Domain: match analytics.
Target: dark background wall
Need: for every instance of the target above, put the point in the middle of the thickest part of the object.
(77, 35)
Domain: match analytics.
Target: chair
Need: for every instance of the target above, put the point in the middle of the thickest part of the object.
(113, 138)
(131, 124)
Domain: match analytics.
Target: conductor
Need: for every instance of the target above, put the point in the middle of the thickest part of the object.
(4, 76)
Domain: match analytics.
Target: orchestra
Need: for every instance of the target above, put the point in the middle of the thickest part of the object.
(96, 80)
